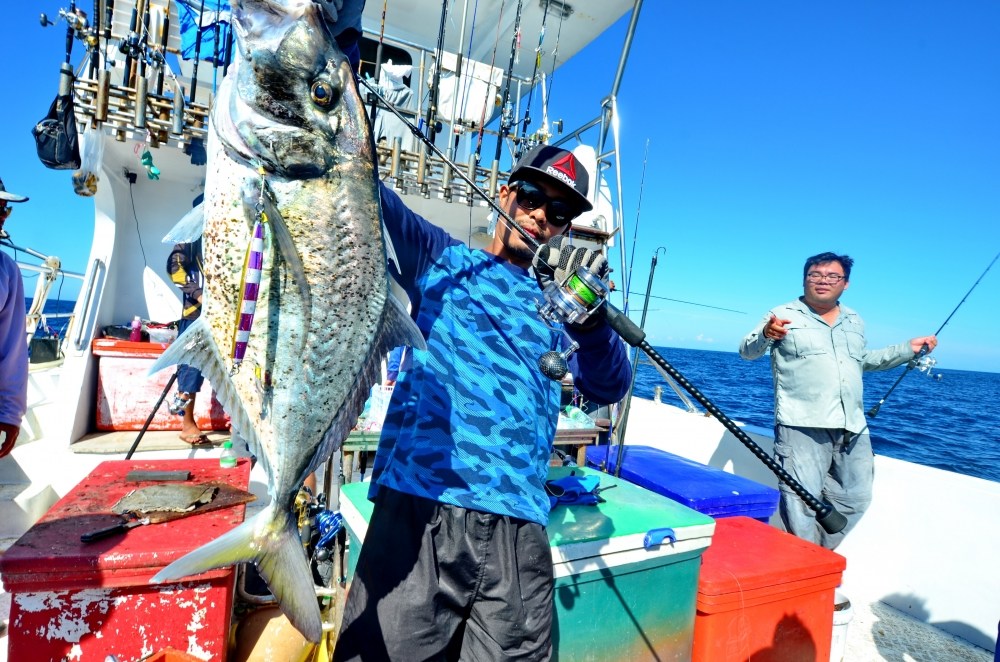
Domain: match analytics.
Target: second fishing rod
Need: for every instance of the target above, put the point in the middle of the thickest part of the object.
(924, 350)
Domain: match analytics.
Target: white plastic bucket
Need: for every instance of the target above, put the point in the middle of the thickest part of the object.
(842, 615)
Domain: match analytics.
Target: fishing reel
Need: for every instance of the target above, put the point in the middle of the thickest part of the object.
(132, 46)
(76, 20)
(574, 301)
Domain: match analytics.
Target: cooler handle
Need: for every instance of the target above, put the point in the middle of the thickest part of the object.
(655, 537)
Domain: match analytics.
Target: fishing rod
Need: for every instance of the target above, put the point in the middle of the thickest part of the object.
(583, 295)
(526, 122)
(431, 121)
(638, 209)
(505, 111)
(924, 349)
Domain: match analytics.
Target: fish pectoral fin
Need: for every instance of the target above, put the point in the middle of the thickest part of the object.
(271, 540)
(189, 229)
(196, 347)
(400, 329)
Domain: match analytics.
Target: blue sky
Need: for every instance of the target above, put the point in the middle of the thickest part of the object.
(776, 130)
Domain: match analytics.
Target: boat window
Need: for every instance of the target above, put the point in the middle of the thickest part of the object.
(369, 52)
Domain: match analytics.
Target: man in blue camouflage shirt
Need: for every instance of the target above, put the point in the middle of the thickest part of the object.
(456, 561)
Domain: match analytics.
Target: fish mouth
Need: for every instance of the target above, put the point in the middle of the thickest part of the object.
(284, 150)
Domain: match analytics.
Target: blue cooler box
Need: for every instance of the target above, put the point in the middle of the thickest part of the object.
(706, 489)
(625, 571)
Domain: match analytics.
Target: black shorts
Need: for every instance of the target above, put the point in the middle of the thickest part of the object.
(439, 582)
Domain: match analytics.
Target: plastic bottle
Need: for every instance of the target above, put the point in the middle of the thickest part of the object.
(136, 334)
(227, 460)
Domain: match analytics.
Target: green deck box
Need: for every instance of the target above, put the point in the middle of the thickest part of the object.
(626, 570)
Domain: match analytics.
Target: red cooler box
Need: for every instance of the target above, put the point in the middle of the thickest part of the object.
(126, 392)
(764, 594)
(85, 601)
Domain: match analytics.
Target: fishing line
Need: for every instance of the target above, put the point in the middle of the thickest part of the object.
(925, 349)
(692, 303)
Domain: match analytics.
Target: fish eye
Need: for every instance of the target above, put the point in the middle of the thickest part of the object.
(323, 94)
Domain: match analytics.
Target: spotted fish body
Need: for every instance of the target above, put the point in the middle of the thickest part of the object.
(324, 316)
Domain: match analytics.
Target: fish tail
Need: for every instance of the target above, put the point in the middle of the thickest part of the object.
(271, 540)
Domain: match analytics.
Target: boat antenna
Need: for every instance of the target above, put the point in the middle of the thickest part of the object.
(505, 113)
(925, 349)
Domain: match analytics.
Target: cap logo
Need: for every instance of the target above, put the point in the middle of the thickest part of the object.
(564, 169)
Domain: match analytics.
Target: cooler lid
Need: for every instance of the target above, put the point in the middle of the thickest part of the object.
(608, 534)
(747, 555)
(127, 349)
(706, 489)
(633, 524)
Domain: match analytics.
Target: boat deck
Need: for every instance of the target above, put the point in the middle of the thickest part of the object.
(876, 632)
(880, 632)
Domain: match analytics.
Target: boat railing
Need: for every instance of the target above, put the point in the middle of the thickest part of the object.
(47, 273)
(674, 386)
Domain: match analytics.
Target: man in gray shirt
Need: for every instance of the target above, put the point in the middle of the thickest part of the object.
(818, 355)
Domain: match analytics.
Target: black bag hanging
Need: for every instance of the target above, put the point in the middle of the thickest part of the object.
(56, 140)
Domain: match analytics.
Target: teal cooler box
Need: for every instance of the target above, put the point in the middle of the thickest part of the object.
(626, 570)
(706, 489)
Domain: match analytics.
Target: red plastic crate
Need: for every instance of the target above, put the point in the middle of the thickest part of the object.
(84, 601)
(764, 594)
(127, 393)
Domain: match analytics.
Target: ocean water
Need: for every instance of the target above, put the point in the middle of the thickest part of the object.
(951, 422)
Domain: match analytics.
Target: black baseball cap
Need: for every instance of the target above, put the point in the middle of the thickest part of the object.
(559, 166)
(10, 197)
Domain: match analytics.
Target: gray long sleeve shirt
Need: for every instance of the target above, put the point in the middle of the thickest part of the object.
(817, 368)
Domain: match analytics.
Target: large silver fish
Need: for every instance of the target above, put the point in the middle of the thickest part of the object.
(289, 145)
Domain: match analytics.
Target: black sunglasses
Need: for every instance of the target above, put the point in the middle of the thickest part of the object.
(529, 197)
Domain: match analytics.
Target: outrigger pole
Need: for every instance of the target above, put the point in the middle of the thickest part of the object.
(925, 349)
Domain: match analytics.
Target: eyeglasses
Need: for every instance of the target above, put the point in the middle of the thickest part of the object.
(817, 277)
(529, 197)
(5, 211)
